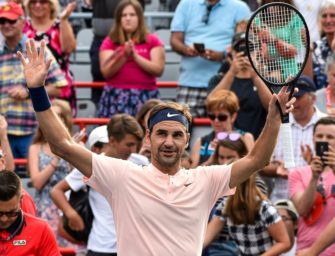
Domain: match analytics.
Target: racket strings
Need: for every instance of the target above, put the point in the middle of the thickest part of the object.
(277, 44)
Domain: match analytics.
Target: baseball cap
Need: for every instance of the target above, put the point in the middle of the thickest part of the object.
(237, 39)
(289, 206)
(11, 11)
(304, 84)
(99, 134)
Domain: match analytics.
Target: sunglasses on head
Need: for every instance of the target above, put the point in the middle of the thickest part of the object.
(3, 21)
(10, 214)
(221, 118)
(232, 136)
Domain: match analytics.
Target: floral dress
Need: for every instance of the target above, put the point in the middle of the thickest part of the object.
(52, 40)
(46, 209)
(321, 52)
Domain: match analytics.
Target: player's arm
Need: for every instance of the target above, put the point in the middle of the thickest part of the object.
(59, 139)
(260, 154)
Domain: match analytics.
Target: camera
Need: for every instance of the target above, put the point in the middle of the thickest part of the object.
(241, 48)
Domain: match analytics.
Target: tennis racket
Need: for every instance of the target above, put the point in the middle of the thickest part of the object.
(278, 46)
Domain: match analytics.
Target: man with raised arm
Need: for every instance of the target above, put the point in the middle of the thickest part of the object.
(160, 209)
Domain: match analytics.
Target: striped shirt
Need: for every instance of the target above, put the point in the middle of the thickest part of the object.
(301, 135)
(19, 113)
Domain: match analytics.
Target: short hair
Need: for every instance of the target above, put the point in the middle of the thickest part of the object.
(328, 120)
(183, 109)
(117, 34)
(10, 185)
(223, 99)
(54, 8)
(122, 124)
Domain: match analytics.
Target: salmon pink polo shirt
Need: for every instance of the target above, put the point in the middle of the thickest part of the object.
(156, 213)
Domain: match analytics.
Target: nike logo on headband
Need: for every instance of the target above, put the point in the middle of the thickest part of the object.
(172, 115)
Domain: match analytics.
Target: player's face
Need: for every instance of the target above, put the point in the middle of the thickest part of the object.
(8, 212)
(327, 20)
(168, 141)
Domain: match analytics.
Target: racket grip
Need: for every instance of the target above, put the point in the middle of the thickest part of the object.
(288, 154)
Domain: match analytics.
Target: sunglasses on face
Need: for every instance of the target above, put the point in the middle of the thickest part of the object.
(221, 118)
(10, 214)
(3, 21)
(232, 136)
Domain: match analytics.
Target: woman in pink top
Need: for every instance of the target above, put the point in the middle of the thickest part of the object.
(130, 59)
(58, 34)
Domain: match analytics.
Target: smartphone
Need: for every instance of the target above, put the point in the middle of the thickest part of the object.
(320, 148)
(200, 47)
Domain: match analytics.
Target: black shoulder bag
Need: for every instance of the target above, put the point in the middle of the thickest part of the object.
(80, 202)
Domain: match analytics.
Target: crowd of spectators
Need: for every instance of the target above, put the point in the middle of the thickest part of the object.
(279, 211)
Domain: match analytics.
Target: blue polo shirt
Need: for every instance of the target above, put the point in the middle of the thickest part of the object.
(216, 35)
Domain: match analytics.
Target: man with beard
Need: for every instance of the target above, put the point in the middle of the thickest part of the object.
(160, 209)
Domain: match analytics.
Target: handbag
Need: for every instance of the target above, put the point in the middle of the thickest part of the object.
(80, 202)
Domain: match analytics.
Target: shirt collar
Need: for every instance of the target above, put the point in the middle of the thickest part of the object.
(20, 47)
(316, 116)
(204, 2)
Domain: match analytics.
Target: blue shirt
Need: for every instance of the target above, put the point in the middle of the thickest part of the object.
(216, 35)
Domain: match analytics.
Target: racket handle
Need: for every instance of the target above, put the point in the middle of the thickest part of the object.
(288, 154)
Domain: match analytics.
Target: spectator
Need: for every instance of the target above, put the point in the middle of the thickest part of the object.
(14, 102)
(58, 34)
(226, 152)
(102, 20)
(153, 197)
(302, 120)
(251, 91)
(102, 238)
(311, 189)
(209, 22)
(130, 60)
(46, 169)
(250, 217)
(289, 215)
(7, 163)
(310, 11)
(324, 47)
(21, 233)
(325, 97)
(325, 239)
(222, 107)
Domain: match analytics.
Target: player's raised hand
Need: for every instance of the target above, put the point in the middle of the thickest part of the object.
(35, 67)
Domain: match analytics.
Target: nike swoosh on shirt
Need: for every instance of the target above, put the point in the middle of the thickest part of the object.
(172, 115)
(186, 185)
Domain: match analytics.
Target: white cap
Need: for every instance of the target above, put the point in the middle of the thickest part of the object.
(97, 134)
(138, 159)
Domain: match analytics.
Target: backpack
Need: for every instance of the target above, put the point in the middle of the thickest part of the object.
(80, 202)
